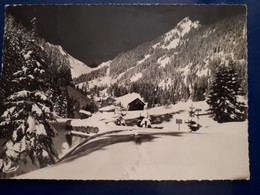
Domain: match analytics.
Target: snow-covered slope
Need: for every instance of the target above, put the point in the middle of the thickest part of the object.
(183, 59)
(172, 38)
(103, 64)
(77, 67)
(64, 59)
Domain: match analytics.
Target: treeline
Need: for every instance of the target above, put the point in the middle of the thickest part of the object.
(90, 76)
(152, 94)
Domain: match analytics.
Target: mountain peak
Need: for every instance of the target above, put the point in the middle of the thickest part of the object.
(186, 19)
(186, 24)
(172, 38)
(61, 50)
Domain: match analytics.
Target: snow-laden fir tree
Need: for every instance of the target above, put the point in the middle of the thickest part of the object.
(24, 124)
(14, 40)
(224, 96)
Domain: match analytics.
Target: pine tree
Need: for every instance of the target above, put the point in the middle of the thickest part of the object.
(24, 124)
(223, 96)
(14, 40)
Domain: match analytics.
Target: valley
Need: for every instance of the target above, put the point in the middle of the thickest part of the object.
(173, 107)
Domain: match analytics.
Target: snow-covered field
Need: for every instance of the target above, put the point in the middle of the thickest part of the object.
(216, 151)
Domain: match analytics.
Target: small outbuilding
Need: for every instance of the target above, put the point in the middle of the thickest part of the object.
(131, 101)
(136, 104)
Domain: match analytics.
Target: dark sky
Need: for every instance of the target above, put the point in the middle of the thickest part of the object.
(94, 34)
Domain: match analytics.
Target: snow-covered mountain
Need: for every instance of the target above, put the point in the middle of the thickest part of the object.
(77, 67)
(169, 40)
(181, 60)
(173, 38)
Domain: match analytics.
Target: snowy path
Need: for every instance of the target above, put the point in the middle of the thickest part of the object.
(214, 152)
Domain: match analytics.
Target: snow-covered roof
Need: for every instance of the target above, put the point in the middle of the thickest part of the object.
(126, 99)
(85, 112)
(107, 108)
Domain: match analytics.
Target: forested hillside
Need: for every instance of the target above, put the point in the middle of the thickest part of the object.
(177, 65)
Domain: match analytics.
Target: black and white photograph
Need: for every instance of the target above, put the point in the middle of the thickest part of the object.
(124, 92)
